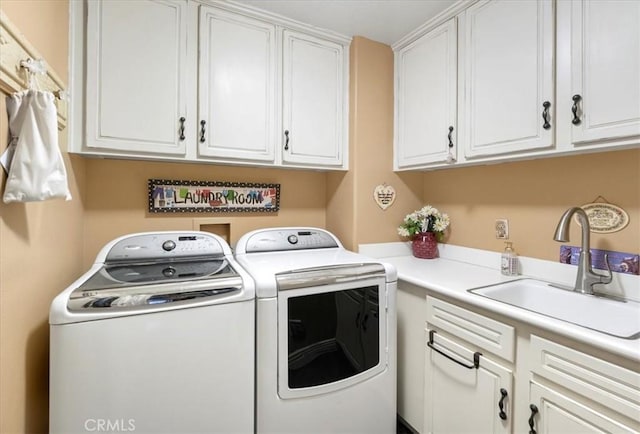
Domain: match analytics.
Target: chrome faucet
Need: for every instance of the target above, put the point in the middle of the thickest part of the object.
(586, 277)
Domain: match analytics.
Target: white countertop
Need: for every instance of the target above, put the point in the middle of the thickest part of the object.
(459, 269)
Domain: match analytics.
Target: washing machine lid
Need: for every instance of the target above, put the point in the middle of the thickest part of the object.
(125, 285)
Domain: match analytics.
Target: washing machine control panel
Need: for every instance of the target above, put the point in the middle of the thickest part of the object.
(278, 240)
(164, 245)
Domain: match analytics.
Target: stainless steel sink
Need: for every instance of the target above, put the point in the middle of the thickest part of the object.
(620, 318)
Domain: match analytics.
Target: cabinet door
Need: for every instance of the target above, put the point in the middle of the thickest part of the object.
(314, 101)
(236, 86)
(507, 56)
(462, 400)
(137, 76)
(426, 74)
(605, 50)
(559, 414)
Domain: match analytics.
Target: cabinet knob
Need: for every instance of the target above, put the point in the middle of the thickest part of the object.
(574, 109)
(286, 140)
(545, 115)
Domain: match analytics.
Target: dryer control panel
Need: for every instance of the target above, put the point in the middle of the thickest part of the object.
(287, 239)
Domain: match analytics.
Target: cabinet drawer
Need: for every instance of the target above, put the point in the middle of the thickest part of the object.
(610, 385)
(486, 333)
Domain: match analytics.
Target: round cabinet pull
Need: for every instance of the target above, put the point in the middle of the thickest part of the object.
(202, 130)
(502, 414)
(181, 130)
(534, 411)
(574, 109)
(286, 141)
(545, 115)
(449, 136)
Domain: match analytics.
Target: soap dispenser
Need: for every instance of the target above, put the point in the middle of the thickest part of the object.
(509, 263)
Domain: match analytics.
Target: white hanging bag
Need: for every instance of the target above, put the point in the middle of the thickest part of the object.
(36, 171)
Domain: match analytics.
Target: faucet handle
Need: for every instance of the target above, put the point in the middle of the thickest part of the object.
(605, 278)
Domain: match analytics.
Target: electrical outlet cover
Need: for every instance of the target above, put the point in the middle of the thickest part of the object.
(502, 229)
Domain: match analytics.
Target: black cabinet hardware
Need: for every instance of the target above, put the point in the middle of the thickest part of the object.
(182, 120)
(450, 141)
(286, 141)
(202, 130)
(502, 414)
(476, 355)
(574, 109)
(545, 115)
(534, 411)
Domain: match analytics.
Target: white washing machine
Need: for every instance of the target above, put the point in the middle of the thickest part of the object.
(325, 334)
(157, 337)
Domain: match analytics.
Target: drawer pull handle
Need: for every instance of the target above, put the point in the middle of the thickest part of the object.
(476, 355)
(574, 109)
(449, 136)
(534, 411)
(182, 121)
(545, 115)
(502, 414)
(286, 140)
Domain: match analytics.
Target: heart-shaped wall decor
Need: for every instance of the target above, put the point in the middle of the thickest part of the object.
(384, 195)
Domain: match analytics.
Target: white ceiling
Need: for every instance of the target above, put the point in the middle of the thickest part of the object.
(380, 20)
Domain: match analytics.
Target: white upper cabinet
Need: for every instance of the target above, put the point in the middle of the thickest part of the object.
(426, 97)
(507, 66)
(535, 78)
(605, 70)
(236, 86)
(314, 101)
(130, 106)
(206, 81)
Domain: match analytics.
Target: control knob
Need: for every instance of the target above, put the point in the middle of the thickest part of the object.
(169, 245)
(292, 239)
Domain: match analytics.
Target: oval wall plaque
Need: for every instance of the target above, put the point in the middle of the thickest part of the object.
(605, 218)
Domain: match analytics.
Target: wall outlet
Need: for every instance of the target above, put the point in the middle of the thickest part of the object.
(502, 229)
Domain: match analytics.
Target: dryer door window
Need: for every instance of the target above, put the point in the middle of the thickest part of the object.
(335, 336)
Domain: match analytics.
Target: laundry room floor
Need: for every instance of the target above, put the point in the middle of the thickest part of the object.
(401, 428)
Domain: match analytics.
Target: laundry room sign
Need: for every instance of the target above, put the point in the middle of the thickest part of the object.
(212, 196)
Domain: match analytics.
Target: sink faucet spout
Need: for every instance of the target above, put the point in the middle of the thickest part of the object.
(586, 278)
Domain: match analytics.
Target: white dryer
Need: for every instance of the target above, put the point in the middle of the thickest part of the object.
(157, 337)
(325, 334)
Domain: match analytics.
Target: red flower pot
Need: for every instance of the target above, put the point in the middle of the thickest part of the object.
(425, 245)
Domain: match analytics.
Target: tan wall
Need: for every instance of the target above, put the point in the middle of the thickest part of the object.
(40, 248)
(351, 210)
(116, 202)
(533, 195)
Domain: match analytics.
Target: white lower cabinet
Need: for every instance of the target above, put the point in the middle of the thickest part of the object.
(483, 375)
(573, 392)
(554, 412)
(461, 397)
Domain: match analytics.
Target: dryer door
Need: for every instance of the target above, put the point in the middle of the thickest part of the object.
(331, 336)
